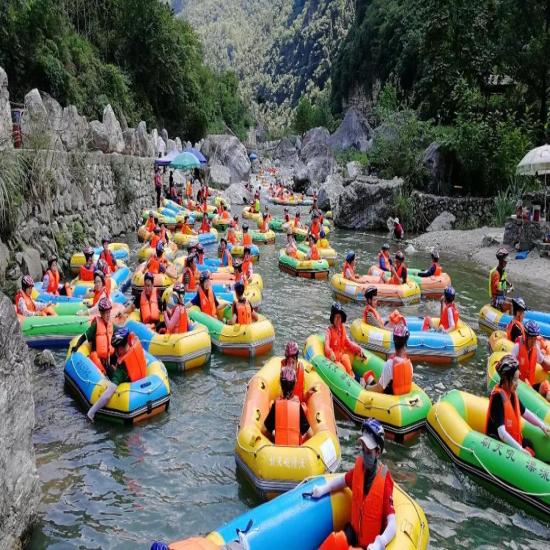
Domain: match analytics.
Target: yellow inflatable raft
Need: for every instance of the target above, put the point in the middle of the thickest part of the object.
(254, 216)
(146, 251)
(274, 469)
(161, 280)
(121, 251)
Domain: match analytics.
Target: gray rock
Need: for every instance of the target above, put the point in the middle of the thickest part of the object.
(4, 259)
(34, 122)
(170, 146)
(144, 144)
(5, 113)
(329, 191)
(123, 122)
(54, 110)
(301, 178)
(30, 263)
(154, 140)
(489, 241)
(317, 155)
(441, 166)
(164, 136)
(354, 169)
(366, 203)
(113, 130)
(99, 139)
(161, 147)
(220, 176)
(130, 142)
(354, 131)
(19, 486)
(410, 249)
(228, 151)
(74, 129)
(235, 193)
(286, 151)
(178, 144)
(44, 358)
(443, 222)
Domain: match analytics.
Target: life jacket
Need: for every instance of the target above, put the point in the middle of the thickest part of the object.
(247, 239)
(153, 264)
(86, 273)
(192, 280)
(515, 323)
(370, 309)
(397, 318)
(226, 259)
(183, 324)
(297, 223)
(244, 312)
(383, 260)
(163, 235)
(150, 225)
(108, 259)
(500, 287)
(246, 268)
(155, 239)
(402, 375)
(264, 226)
(397, 279)
(134, 360)
(347, 267)
(225, 215)
(208, 304)
(367, 510)
(527, 360)
(204, 207)
(29, 302)
(292, 252)
(315, 229)
(200, 259)
(103, 335)
(314, 252)
(205, 226)
(438, 271)
(337, 341)
(188, 189)
(186, 229)
(512, 413)
(444, 318)
(53, 282)
(231, 237)
(103, 293)
(287, 421)
(149, 307)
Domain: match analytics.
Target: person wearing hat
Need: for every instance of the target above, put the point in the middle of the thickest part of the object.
(399, 270)
(150, 223)
(86, 271)
(499, 285)
(286, 215)
(528, 353)
(338, 346)
(384, 260)
(448, 317)
(313, 252)
(100, 290)
(372, 519)
(107, 256)
(370, 314)
(205, 299)
(175, 318)
(189, 276)
(398, 231)
(156, 263)
(515, 328)
(242, 311)
(397, 374)
(247, 238)
(323, 241)
(286, 422)
(505, 410)
(435, 269)
(348, 271)
(25, 305)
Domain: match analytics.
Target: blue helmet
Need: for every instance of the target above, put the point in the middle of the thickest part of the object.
(532, 328)
(160, 248)
(350, 256)
(449, 293)
(373, 428)
(120, 337)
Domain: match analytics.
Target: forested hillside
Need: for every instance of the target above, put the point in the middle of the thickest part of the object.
(131, 53)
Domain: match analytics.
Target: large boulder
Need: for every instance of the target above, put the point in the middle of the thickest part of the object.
(34, 122)
(29, 259)
(441, 165)
(144, 146)
(113, 130)
(130, 142)
(301, 177)
(5, 113)
(164, 136)
(228, 151)
(329, 191)
(354, 131)
(286, 152)
(170, 146)
(317, 155)
(220, 176)
(235, 193)
(19, 486)
(444, 222)
(178, 144)
(99, 139)
(161, 147)
(366, 203)
(75, 130)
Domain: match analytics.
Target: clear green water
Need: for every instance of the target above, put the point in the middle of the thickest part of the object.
(114, 487)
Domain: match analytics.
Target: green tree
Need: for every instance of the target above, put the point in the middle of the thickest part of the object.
(303, 118)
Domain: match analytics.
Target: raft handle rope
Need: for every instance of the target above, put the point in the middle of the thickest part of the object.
(472, 451)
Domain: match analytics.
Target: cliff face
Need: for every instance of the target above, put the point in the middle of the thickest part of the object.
(19, 490)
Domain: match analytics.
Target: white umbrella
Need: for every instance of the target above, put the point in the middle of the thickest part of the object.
(536, 163)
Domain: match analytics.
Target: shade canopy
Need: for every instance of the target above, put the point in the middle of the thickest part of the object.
(196, 153)
(168, 158)
(535, 163)
(185, 161)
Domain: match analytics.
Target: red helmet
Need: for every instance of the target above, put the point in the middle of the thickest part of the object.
(104, 304)
(288, 380)
(291, 349)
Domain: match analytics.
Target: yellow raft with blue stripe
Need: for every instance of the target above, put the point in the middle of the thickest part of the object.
(276, 468)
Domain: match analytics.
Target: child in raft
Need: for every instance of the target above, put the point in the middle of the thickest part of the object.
(448, 318)
(291, 248)
(26, 305)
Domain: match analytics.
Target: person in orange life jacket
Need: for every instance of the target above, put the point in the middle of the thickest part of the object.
(348, 271)
(399, 270)
(505, 410)
(188, 189)
(246, 264)
(315, 226)
(313, 252)
(297, 222)
(435, 269)
(528, 353)
(371, 315)
(338, 346)
(236, 220)
(149, 301)
(384, 260)
(397, 374)
(205, 298)
(175, 318)
(286, 216)
(100, 290)
(107, 256)
(291, 249)
(199, 251)
(242, 312)
(291, 361)
(189, 278)
(238, 272)
(398, 231)
(286, 416)
(264, 225)
(50, 281)
(205, 225)
(224, 254)
(231, 234)
(157, 262)
(515, 328)
(448, 318)
(86, 272)
(155, 239)
(247, 238)
(25, 305)
(225, 213)
(150, 223)
(267, 213)
(372, 525)
(499, 285)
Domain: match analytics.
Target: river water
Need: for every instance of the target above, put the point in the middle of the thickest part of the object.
(106, 486)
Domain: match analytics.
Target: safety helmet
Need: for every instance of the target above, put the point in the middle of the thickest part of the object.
(502, 253)
(105, 240)
(156, 229)
(160, 248)
(246, 250)
(385, 246)
(151, 214)
(337, 309)
(199, 249)
(322, 234)
(178, 292)
(236, 217)
(245, 227)
(400, 336)
(518, 304)
(399, 256)
(449, 293)
(120, 337)
(532, 328)
(149, 277)
(372, 430)
(204, 276)
(88, 251)
(100, 274)
(507, 366)
(288, 380)
(291, 349)
(239, 288)
(370, 292)
(435, 254)
(350, 256)
(101, 265)
(27, 281)
(104, 304)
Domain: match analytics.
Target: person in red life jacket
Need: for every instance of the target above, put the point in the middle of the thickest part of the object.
(150, 223)
(499, 285)
(50, 282)
(107, 256)
(505, 410)
(348, 271)
(398, 231)
(224, 254)
(205, 225)
(313, 252)
(291, 361)
(100, 290)
(384, 260)
(126, 364)
(157, 262)
(372, 525)
(242, 311)
(286, 215)
(264, 225)
(448, 317)
(25, 305)
(315, 226)
(231, 234)
(175, 318)
(286, 422)
(205, 299)
(297, 221)
(189, 279)
(515, 328)
(247, 238)
(86, 272)
(238, 272)
(399, 270)
(528, 353)
(370, 314)
(246, 264)
(149, 303)
(435, 269)
(397, 374)
(338, 346)
(291, 249)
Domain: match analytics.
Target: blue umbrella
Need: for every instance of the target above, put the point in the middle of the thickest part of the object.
(167, 159)
(200, 157)
(185, 161)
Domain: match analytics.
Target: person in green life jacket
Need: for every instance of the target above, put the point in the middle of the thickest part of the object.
(499, 285)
